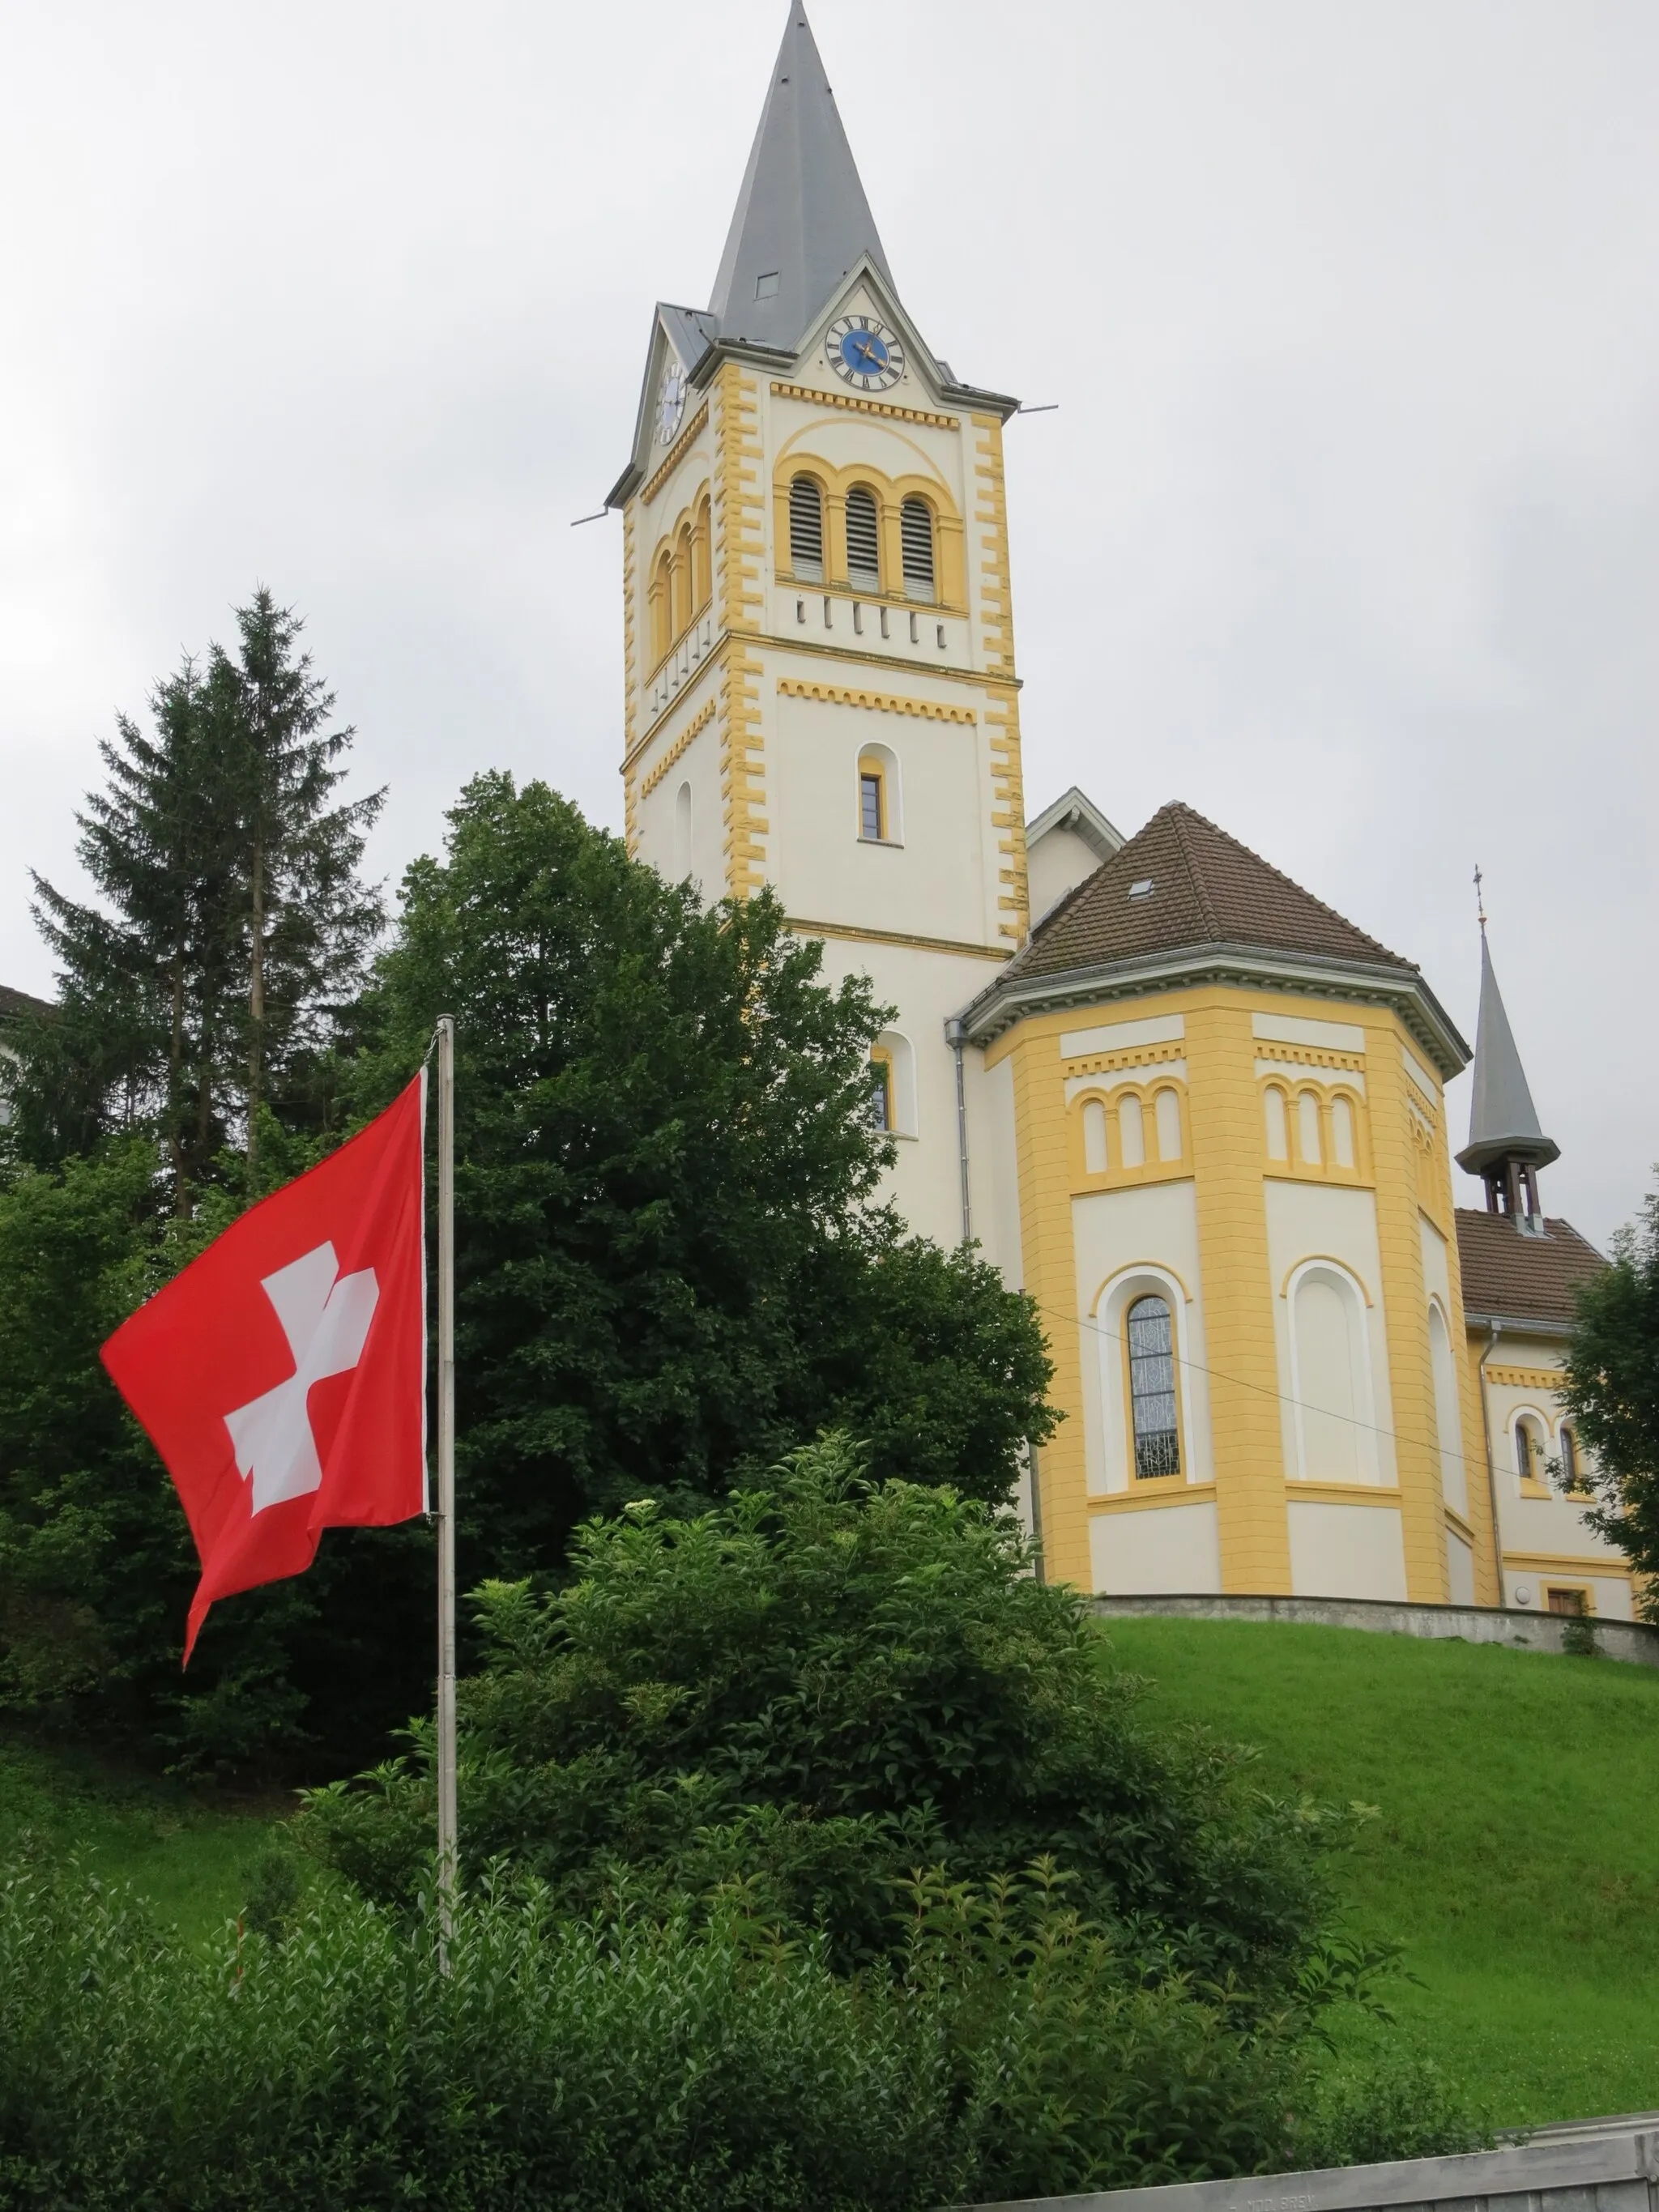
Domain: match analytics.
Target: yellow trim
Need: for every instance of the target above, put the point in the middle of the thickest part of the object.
(816, 399)
(1320, 1259)
(1008, 814)
(1547, 1379)
(677, 453)
(1151, 1490)
(835, 482)
(699, 721)
(1567, 1564)
(996, 625)
(1343, 1493)
(630, 673)
(739, 546)
(884, 702)
(803, 928)
(1140, 1266)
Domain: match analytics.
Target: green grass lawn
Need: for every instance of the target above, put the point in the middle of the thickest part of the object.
(1517, 1851)
(192, 1858)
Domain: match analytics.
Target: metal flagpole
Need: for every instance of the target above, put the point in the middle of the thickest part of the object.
(448, 1863)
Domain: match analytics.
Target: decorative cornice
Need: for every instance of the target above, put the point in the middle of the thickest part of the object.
(700, 721)
(803, 928)
(1013, 998)
(677, 453)
(881, 702)
(780, 390)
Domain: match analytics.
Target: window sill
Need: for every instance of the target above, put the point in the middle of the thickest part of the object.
(893, 844)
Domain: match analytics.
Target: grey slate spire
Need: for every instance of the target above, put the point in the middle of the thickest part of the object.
(1506, 1144)
(802, 220)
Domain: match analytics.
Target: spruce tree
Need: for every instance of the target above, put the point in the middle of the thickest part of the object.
(230, 916)
(305, 919)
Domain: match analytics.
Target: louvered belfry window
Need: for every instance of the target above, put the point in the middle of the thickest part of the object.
(863, 540)
(807, 529)
(916, 536)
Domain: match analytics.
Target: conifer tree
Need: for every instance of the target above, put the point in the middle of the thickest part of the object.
(305, 919)
(230, 914)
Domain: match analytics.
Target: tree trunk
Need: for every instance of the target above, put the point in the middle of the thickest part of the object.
(175, 1096)
(256, 1004)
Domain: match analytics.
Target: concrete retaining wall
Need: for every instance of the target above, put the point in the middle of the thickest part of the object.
(1599, 2166)
(1632, 1641)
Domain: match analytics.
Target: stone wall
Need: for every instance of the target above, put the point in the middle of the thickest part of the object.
(1630, 1641)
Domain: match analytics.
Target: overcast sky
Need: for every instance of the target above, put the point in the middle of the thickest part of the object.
(1346, 531)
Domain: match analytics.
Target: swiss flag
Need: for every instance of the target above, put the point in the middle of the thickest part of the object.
(282, 1377)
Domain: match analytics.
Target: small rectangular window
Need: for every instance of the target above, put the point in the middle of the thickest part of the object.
(766, 285)
(871, 824)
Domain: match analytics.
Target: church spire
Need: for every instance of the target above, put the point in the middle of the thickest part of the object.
(802, 219)
(1506, 1147)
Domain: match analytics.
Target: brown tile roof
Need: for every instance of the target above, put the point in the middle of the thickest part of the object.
(1521, 1278)
(19, 1002)
(1206, 889)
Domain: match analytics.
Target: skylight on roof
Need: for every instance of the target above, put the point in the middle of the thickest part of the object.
(1142, 890)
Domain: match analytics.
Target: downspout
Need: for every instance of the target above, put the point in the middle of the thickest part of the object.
(1489, 1347)
(953, 1038)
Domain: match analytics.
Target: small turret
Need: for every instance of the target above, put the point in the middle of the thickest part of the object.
(1506, 1147)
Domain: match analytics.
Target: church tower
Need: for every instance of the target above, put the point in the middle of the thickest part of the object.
(821, 692)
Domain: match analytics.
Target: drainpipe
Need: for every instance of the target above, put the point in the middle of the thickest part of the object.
(953, 1038)
(1489, 1347)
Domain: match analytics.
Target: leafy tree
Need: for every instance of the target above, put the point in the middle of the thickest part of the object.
(671, 1262)
(1612, 1391)
(819, 1686)
(230, 917)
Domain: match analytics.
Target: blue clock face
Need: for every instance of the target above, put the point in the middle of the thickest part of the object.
(864, 353)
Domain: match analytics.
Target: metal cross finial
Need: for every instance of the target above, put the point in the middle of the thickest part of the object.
(1480, 901)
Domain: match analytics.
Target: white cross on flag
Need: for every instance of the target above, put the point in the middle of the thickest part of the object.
(282, 1377)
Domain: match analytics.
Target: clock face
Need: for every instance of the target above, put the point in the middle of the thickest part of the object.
(670, 402)
(864, 353)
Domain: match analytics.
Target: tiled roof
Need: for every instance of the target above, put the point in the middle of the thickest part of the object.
(1201, 887)
(19, 1002)
(1520, 1276)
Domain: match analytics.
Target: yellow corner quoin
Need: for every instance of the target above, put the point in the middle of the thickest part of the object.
(1116, 1093)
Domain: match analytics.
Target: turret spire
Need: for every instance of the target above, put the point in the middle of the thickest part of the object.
(1506, 1145)
(802, 219)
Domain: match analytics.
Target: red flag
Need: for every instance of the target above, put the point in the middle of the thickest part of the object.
(282, 1377)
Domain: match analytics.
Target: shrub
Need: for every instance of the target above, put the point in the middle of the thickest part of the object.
(620, 2060)
(819, 1688)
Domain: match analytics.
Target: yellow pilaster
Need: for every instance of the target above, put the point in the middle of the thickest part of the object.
(1405, 1314)
(1225, 1110)
(1050, 1271)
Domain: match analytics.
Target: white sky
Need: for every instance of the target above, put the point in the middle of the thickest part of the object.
(1346, 531)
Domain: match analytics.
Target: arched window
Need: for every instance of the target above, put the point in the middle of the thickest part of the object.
(1131, 1132)
(881, 1089)
(1152, 1389)
(662, 605)
(916, 544)
(1529, 1454)
(807, 529)
(1307, 1127)
(1569, 1456)
(881, 806)
(683, 832)
(1454, 1484)
(1094, 1136)
(683, 580)
(1342, 1150)
(863, 540)
(1166, 1112)
(1278, 1128)
(1332, 1387)
(703, 550)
